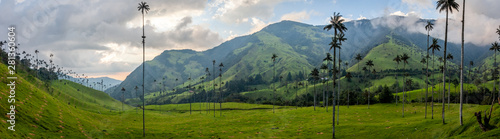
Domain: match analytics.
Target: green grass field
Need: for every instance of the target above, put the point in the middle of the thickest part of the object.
(63, 109)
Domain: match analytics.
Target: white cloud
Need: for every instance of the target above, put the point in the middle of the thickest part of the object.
(298, 16)
(103, 37)
(235, 11)
(257, 25)
(399, 13)
(361, 17)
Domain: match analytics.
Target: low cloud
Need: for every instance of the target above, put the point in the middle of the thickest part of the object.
(298, 16)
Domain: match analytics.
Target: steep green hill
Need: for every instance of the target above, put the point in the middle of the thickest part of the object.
(54, 109)
(300, 47)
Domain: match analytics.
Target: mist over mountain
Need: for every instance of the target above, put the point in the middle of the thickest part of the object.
(300, 47)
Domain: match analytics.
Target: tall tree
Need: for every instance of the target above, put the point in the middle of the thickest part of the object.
(369, 64)
(495, 48)
(143, 7)
(404, 58)
(213, 83)
(397, 59)
(315, 76)
(337, 23)
(274, 76)
(449, 57)
(359, 58)
(123, 97)
(206, 92)
(324, 68)
(462, 64)
(433, 47)
(448, 6)
(423, 61)
(429, 26)
(341, 38)
(220, 87)
(328, 59)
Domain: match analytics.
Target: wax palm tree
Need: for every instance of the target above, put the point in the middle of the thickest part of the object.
(397, 59)
(369, 64)
(336, 22)
(428, 27)
(341, 38)
(274, 75)
(328, 58)
(315, 76)
(143, 7)
(123, 97)
(220, 90)
(448, 6)
(206, 92)
(213, 83)
(449, 57)
(404, 58)
(462, 64)
(424, 61)
(324, 68)
(495, 48)
(498, 32)
(359, 58)
(433, 47)
(334, 45)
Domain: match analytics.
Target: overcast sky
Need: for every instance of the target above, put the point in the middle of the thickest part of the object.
(102, 37)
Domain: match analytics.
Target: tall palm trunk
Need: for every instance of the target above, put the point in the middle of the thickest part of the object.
(427, 76)
(444, 62)
(333, 90)
(274, 84)
(314, 86)
(396, 74)
(143, 71)
(213, 84)
(404, 89)
(338, 92)
(449, 86)
(432, 87)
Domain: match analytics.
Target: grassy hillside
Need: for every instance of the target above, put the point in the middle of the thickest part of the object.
(55, 110)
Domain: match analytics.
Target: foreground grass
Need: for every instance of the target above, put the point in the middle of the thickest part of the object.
(244, 121)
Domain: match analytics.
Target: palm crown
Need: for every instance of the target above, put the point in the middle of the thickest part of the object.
(447, 4)
(429, 26)
(143, 7)
(435, 45)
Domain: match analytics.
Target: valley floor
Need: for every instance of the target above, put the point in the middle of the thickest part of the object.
(259, 121)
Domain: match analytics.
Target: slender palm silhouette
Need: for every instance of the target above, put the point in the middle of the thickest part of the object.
(448, 6)
(213, 83)
(433, 47)
(220, 89)
(397, 59)
(328, 59)
(341, 38)
(369, 64)
(274, 76)
(337, 23)
(324, 68)
(423, 61)
(143, 7)
(449, 57)
(404, 58)
(495, 48)
(498, 32)
(462, 64)
(429, 26)
(315, 76)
